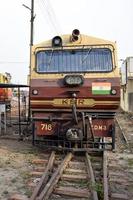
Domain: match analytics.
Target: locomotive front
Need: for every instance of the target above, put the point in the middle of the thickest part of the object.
(74, 91)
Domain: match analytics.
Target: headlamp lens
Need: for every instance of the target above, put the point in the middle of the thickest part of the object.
(34, 92)
(57, 41)
(113, 91)
(73, 80)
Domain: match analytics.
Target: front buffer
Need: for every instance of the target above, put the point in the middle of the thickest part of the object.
(74, 129)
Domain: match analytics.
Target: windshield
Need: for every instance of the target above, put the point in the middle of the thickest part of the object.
(76, 60)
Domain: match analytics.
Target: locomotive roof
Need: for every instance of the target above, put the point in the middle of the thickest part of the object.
(83, 40)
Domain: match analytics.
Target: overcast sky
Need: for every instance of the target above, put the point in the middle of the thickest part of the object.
(107, 19)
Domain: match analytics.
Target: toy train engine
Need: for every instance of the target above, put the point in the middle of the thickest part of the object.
(74, 91)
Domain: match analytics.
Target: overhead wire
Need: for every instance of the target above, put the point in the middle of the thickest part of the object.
(50, 19)
(13, 62)
(45, 16)
(47, 10)
(54, 15)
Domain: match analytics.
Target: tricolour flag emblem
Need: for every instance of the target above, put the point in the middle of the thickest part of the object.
(101, 88)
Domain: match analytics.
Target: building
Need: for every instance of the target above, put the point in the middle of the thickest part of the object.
(127, 85)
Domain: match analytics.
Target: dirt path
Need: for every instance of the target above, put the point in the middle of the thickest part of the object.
(15, 166)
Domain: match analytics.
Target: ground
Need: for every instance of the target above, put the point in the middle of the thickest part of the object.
(16, 159)
(15, 165)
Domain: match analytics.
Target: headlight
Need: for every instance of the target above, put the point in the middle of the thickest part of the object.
(113, 91)
(73, 80)
(34, 92)
(57, 41)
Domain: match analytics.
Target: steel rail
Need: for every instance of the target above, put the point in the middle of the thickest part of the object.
(45, 176)
(123, 134)
(90, 171)
(105, 177)
(44, 195)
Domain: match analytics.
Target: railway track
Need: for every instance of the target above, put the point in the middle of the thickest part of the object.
(124, 133)
(121, 132)
(120, 176)
(72, 177)
(93, 175)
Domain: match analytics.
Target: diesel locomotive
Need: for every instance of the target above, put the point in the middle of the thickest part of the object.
(74, 91)
(5, 93)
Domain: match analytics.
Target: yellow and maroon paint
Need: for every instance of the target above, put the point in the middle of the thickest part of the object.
(54, 94)
(54, 99)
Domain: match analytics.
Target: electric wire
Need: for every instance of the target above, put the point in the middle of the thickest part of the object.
(51, 18)
(54, 16)
(45, 17)
(50, 21)
(48, 13)
(13, 62)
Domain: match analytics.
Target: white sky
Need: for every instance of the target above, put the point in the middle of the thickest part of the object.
(107, 19)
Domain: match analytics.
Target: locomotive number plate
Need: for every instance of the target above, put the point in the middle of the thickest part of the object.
(44, 128)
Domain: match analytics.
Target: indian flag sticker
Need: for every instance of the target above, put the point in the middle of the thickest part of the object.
(101, 88)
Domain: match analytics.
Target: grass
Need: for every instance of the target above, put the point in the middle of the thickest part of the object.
(83, 183)
(14, 180)
(5, 162)
(25, 175)
(99, 189)
(121, 158)
(5, 193)
(28, 193)
(130, 162)
(23, 189)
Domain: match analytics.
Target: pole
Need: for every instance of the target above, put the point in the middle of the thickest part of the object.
(19, 115)
(31, 44)
(31, 20)
(32, 23)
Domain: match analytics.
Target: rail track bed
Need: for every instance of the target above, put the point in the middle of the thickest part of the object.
(125, 125)
(120, 176)
(71, 177)
(97, 176)
(111, 177)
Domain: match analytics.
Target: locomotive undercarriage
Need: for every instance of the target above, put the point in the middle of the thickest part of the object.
(74, 129)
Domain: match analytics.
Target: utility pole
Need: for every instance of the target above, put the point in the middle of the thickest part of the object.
(32, 23)
(31, 30)
(31, 42)
(31, 33)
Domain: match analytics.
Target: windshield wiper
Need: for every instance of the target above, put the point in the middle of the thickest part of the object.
(85, 57)
(50, 59)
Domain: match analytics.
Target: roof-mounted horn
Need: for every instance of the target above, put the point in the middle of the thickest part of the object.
(75, 35)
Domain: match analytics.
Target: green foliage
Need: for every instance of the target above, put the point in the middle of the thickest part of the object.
(99, 189)
(130, 162)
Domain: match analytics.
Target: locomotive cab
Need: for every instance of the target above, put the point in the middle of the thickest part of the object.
(74, 91)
